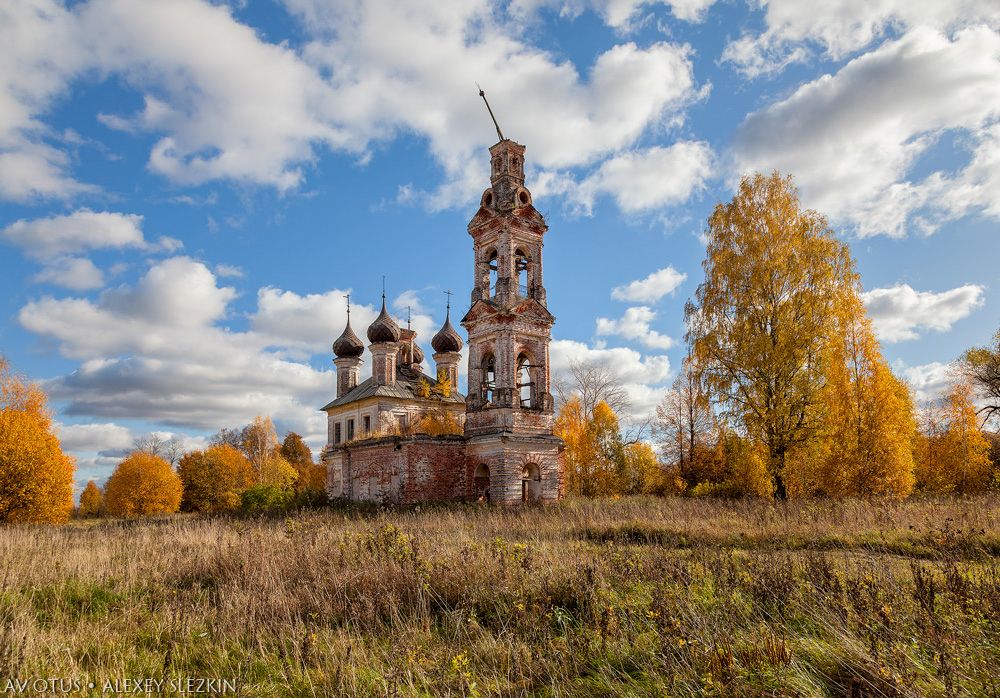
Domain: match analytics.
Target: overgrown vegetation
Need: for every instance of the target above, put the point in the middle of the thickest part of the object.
(638, 596)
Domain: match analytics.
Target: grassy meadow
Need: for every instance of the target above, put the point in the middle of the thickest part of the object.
(631, 597)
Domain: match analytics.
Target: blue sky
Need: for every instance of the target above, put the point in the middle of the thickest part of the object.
(187, 189)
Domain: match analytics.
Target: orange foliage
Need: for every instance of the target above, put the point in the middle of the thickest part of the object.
(214, 479)
(142, 485)
(91, 500)
(36, 477)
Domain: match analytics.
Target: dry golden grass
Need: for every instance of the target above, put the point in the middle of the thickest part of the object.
(632, 597)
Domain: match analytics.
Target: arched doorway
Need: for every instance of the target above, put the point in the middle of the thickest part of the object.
(481, 483)
(531, 484)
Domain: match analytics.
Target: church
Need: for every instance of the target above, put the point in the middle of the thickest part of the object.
(503, 449)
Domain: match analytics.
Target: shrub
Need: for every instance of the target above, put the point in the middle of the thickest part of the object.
(262, 498)
(142, 485)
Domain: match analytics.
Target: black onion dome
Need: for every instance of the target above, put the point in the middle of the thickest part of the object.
(447, 339)
(348, 344)
(384, 329)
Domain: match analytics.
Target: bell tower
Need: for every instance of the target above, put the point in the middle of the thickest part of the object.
(509, 407)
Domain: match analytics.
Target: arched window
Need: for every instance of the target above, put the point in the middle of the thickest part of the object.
(521, 265)
(493, 264)
(489, 378)
(481, 482)
(531, 483)
(525, 386)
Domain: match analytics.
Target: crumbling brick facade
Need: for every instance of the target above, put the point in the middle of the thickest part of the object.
(508, 453)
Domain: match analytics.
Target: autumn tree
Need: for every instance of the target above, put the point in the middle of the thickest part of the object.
(774, 274)
(142, 485)
(259, 440)
(685, 427)
(981, 365)
(310, 476)
(91, 500)
(952, 453)
(965, 452)
(214, 479)
(865, 441)
(36, 477)
(599, 461)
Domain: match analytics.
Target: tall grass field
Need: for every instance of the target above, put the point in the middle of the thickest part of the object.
(629, 597)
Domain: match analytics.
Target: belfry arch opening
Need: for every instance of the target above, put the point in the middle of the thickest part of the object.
(493, 266)
(525, 384)
(522, 267)
(489, 378)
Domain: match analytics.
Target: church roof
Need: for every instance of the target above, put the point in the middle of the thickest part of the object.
(407, 387)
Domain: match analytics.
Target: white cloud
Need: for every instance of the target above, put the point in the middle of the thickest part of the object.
(634, 324)
(80, 231)
(900, 312)
(228, 271)
(650, 289)
(40, 53)
(74, 273)
(386, 58)
(223, 103)
(654, 177)
(841, 27)
(641, 376)
(94, 437)
(851, 139)
(155, 351)
(619, 14)
(229, 105)
(928, 381)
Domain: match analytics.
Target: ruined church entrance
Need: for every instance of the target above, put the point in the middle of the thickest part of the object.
(531, 484)
(481, 482)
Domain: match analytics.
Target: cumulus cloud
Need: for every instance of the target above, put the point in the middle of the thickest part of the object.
(80, 231)
(643, 377)
(74, 273)
(840, 27)
(385, 60)
(94, 437)
(650, 178)
(634, 324)
(40, 54)
(652, 288)
(224, 103)
(229, 105)
(157, 351)
(851, 139)
(928, 381)
(620, 14)
(57, 242)
(899, 313)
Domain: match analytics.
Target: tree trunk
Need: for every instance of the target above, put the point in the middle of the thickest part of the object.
(778, 467)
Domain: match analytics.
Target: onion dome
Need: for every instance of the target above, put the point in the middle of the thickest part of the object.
(384, 329)
(348, 344)
(447, 339)
(418, 355)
